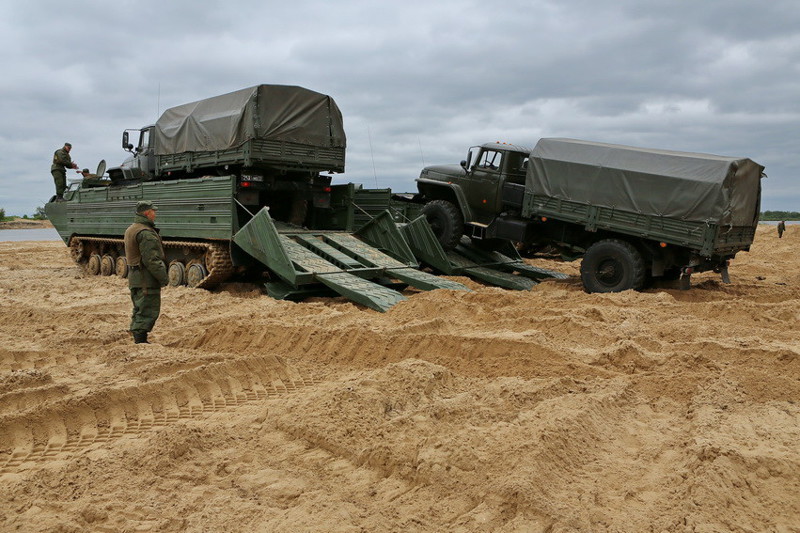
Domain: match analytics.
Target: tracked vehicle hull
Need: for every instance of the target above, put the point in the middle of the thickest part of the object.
(209, 235)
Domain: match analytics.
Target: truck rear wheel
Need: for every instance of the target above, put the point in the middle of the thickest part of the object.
(446, 221)
(612, 265)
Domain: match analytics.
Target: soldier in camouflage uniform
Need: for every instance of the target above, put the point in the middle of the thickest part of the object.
(61, 161)
(147, 272)
(92, 180)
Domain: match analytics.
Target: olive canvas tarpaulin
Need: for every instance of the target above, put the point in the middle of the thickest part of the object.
(680, 185)
(268, 112)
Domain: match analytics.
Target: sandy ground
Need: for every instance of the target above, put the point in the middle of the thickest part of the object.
(550, 410)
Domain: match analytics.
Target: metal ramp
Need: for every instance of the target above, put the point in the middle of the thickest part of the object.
(504, 268)
(306, 262)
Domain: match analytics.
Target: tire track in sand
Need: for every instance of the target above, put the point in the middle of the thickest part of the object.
(72, 425)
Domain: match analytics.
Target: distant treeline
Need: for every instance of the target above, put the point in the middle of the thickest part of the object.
(780, 215)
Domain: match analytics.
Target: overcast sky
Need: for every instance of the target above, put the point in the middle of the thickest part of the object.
(417, 82)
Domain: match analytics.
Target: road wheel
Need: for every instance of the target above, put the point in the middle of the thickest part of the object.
(195, 274)
(107, 265)
(177, 274)
(122, 266)
(93, 266)
(446, 221)
(612, 265)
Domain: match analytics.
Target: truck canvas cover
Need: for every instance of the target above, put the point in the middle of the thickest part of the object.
(679, 185)
(268, 112)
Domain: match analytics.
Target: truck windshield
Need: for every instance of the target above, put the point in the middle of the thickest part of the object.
(490, 160)
(144, 140)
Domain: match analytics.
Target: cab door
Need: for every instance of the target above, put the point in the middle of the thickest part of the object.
(145, 153)
(484, 183)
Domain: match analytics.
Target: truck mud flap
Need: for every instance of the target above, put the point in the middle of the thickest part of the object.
(501, 268)
(308, 261)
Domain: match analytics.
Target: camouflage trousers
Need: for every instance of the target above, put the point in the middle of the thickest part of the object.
(146, 308)
(60, 179)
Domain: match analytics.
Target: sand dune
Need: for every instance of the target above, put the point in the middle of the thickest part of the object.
(549, 410)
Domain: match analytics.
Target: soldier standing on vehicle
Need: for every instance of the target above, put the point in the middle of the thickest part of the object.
(147, 272)
(781, 228)
(61, 161)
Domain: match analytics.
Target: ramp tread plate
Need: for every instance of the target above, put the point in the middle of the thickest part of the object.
(318, 244)
(366, 251)
(501, 279)
(459, 261)
(425, 281)
(362, 291)
(306, 259)
(538, 272)
(482, 257)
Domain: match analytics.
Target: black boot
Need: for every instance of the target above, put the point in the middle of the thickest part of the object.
(140, 337)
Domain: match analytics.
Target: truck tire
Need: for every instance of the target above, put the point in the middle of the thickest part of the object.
(446, 221)
(612, 265)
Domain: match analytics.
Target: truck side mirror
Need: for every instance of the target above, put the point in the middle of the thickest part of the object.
(125, 145)
(465, 164)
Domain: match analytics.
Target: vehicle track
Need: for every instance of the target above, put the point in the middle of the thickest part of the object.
(72, 425)
(215, 255)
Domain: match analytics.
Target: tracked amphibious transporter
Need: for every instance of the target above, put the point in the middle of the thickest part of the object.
(237, 182)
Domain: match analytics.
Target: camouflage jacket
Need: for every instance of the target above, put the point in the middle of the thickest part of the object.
(152, 272)
(61, 160)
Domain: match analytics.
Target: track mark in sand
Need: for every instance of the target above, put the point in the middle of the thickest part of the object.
(16, 360)
(76, 424)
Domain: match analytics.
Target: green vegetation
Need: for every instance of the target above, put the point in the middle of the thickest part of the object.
(780, 215)
(39, 214)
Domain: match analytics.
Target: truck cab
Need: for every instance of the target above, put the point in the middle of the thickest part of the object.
(141, 164)
(466, 198)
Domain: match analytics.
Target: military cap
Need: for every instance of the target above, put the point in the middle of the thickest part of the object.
(145, 205)
(68, 144)
(85, 171)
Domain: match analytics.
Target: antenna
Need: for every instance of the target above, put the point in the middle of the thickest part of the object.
(372, 154)
(420, 152)
(158, 102)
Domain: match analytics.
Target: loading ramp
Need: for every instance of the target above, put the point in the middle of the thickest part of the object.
(368, 267)
(503, 267)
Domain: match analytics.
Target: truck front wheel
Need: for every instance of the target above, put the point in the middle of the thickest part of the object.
(446, 221)
(612, 265)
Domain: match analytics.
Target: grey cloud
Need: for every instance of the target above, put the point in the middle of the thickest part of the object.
(420, 80)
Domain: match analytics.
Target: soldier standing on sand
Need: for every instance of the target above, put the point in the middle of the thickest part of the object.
(147, 272)
(61, 161)
(781, 229)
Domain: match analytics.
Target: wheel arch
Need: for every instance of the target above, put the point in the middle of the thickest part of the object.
(436, 190)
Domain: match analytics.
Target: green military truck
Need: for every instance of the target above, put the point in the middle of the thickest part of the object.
(276, 139)
(632, 214)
